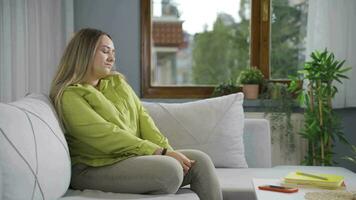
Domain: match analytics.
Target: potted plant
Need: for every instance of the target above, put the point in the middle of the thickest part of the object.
(250, 79)
(225, 89)
(322, 126)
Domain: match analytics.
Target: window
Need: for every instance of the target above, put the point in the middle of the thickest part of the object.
(188, 47)
(288, 34)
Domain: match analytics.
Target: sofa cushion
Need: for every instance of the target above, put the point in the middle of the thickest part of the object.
(257, 143)
(34, 155)
(182, 194)
(214, 126)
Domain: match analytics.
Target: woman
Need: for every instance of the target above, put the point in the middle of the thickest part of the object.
(114, 144)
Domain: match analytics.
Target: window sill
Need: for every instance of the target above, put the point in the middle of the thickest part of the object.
(255, 105)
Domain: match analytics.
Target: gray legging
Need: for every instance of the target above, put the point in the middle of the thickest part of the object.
(151, 174)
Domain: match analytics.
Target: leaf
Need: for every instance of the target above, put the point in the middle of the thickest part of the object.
(338, 80)
(314, 55)
(342, 76)
(344, 70)
(343, 139)
(353, 149)
(349, 159)
(326, 137)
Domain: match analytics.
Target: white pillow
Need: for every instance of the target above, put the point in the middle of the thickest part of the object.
(214, 126)
(34, 156)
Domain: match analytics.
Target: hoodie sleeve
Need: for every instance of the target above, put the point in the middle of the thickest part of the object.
(148, 128)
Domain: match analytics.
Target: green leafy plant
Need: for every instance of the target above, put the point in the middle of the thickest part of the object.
(225, 89)
(322, 126)
(353, 157)
(277, 102)
(250, 75)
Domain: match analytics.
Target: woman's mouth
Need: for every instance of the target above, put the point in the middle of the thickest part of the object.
(108, 66)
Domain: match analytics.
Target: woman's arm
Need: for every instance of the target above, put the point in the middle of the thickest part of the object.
(87, 126)
(148, 129)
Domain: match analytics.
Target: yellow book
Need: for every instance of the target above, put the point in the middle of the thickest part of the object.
(298, 185)
(327, 180)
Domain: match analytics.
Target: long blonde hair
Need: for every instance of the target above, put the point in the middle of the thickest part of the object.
(75, 63)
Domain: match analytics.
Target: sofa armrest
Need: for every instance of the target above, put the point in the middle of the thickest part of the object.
(1, 182)
(257, 142)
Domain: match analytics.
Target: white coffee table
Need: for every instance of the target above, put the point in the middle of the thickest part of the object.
(270, 195)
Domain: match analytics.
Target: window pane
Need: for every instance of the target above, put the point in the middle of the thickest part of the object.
(288, 35)
(199, 42)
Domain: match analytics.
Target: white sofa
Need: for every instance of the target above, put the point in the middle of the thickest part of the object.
(35, 162)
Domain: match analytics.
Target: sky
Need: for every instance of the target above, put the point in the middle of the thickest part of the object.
(197, 13)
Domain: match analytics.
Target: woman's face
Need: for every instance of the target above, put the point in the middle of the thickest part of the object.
(104, 58)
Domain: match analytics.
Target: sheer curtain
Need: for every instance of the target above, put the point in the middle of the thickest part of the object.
(33, 34)
(331, 24)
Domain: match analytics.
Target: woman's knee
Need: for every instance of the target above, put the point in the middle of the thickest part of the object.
(169, 176)
(199, 157)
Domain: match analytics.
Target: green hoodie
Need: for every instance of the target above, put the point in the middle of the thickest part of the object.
(108, 124)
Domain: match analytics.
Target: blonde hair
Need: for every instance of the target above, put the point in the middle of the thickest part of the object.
(74, 64)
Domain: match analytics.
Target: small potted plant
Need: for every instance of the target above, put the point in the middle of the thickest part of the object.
(250, 79)
(225, 89)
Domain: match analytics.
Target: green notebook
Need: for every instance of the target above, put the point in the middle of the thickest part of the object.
(329, 180)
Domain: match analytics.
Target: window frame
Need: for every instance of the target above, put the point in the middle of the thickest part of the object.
(259, 53)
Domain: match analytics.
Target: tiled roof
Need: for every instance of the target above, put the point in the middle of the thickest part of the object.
(167, 33)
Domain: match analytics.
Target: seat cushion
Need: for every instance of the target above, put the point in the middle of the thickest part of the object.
(34, 155)
(182, 194)
(214, 126)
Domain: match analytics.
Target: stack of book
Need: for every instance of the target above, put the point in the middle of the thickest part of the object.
(300, 179)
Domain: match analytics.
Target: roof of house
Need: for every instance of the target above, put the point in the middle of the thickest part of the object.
(167, 33)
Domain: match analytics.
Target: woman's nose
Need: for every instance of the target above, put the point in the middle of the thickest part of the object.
(111, 57)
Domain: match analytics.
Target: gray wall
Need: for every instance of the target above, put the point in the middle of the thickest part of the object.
(348, 118)
(121, 19)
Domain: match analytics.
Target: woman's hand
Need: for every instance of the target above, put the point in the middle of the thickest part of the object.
(182, 159)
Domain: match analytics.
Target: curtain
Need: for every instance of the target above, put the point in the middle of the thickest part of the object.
(331, 25)
(33, 34)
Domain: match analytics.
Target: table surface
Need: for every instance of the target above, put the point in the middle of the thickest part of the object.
(270, 195)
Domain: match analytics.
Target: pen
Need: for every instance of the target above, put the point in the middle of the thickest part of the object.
(311, 175)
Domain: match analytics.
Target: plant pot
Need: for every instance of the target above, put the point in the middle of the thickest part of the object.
(250, 91)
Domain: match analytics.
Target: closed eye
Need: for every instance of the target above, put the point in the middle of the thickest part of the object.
(106, 50)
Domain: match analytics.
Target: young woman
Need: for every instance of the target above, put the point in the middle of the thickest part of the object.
(114, 144)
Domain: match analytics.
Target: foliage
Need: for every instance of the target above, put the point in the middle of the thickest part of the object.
(225, 89)
(250, 75)
(288, 31)
(278, 104)
(221, 53)
(322, 125)
(353, 157)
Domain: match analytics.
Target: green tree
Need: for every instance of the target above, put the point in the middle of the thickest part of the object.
(287, 38)
(220, 54)
(211, 54)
